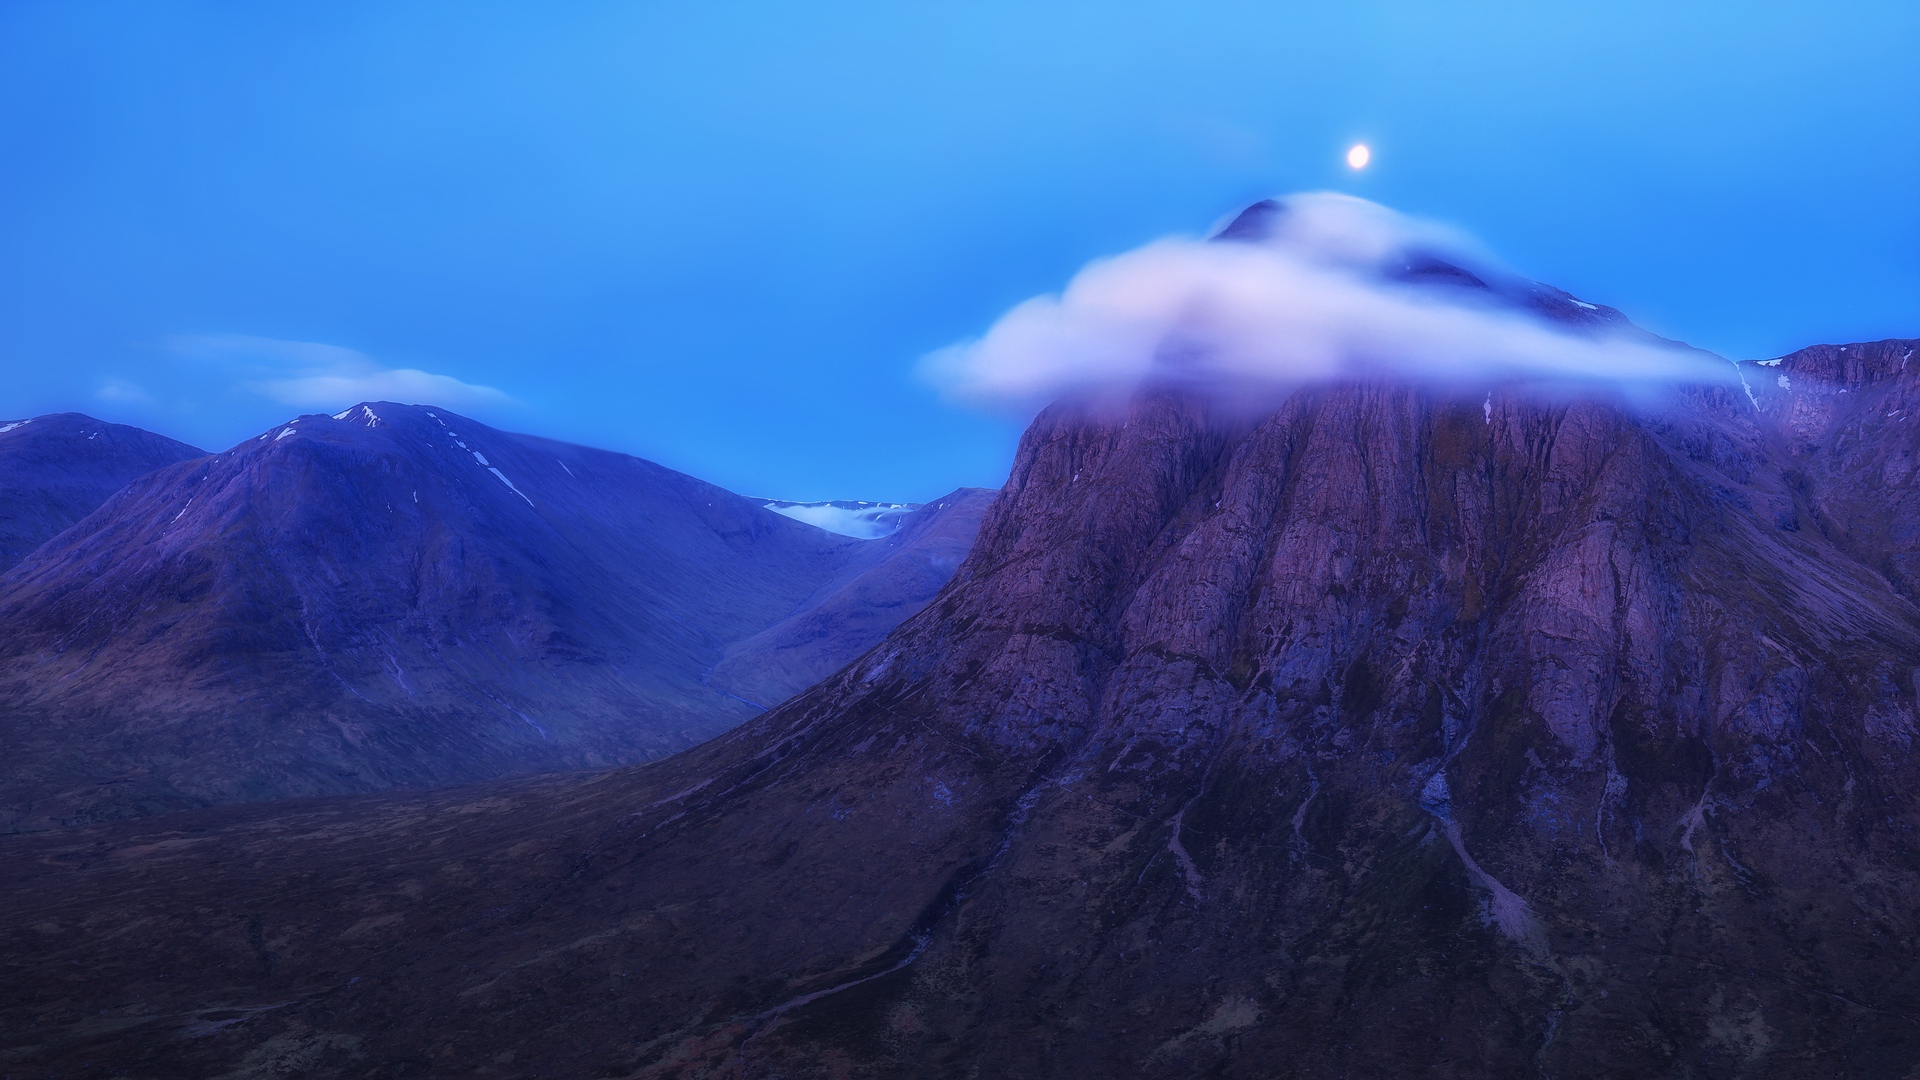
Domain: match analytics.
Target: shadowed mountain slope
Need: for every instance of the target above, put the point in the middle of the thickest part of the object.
(392, 597)
(55, 470)
(1386, 734)
(852, 613)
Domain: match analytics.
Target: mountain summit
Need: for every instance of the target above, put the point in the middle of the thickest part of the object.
(57, 469)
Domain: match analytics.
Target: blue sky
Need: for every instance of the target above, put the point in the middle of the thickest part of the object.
(721, 235)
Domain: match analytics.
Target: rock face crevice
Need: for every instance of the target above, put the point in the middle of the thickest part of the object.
(1383, 732)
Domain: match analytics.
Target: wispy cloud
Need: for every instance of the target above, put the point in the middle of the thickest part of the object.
(311, 374)
(1320, 291)
(122, 392)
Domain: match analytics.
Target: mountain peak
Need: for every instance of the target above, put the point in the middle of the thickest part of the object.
(1254, 223)
(58, 468)
(1410, 253)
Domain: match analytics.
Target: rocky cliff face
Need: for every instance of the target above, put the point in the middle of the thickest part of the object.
(1844, 418)
(395, 596)
(57, 469)
(1385, 734)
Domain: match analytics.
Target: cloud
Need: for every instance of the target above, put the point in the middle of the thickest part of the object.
(122, 392)
(310, 374)
(407, 385)
(1312, 288)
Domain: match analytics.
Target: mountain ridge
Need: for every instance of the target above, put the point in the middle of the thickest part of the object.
(389, 596)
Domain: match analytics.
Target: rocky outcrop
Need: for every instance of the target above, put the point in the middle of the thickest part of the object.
(57, 469)
(1386, 733)
(1843, 417)
(394, 597)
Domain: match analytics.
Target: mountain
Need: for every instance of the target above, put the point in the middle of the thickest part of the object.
(395, 596)
(56, 469)
(848, 517)
(852, 613)
(1391, 732)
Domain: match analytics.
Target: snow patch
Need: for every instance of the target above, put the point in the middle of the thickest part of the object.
(1785, 383)
(284, 432)
(4, 428)
(1770, 363)
(1486, 408)
(479, 457)
(858, 519)
(1584, 304)
(509, 483)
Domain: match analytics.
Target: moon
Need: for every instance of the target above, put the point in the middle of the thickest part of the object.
(1358, 157)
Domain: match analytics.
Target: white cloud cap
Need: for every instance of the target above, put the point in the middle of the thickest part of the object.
(1308, 297)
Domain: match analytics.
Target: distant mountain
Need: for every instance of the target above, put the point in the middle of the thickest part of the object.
(854, 611)
(56, 469)
(866, 520)
(395, 596)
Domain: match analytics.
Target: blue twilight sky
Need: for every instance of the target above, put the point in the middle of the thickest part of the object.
(721, 235)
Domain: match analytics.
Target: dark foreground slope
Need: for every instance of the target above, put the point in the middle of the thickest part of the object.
(56, 469)
(1387, 735)
(393, 597)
